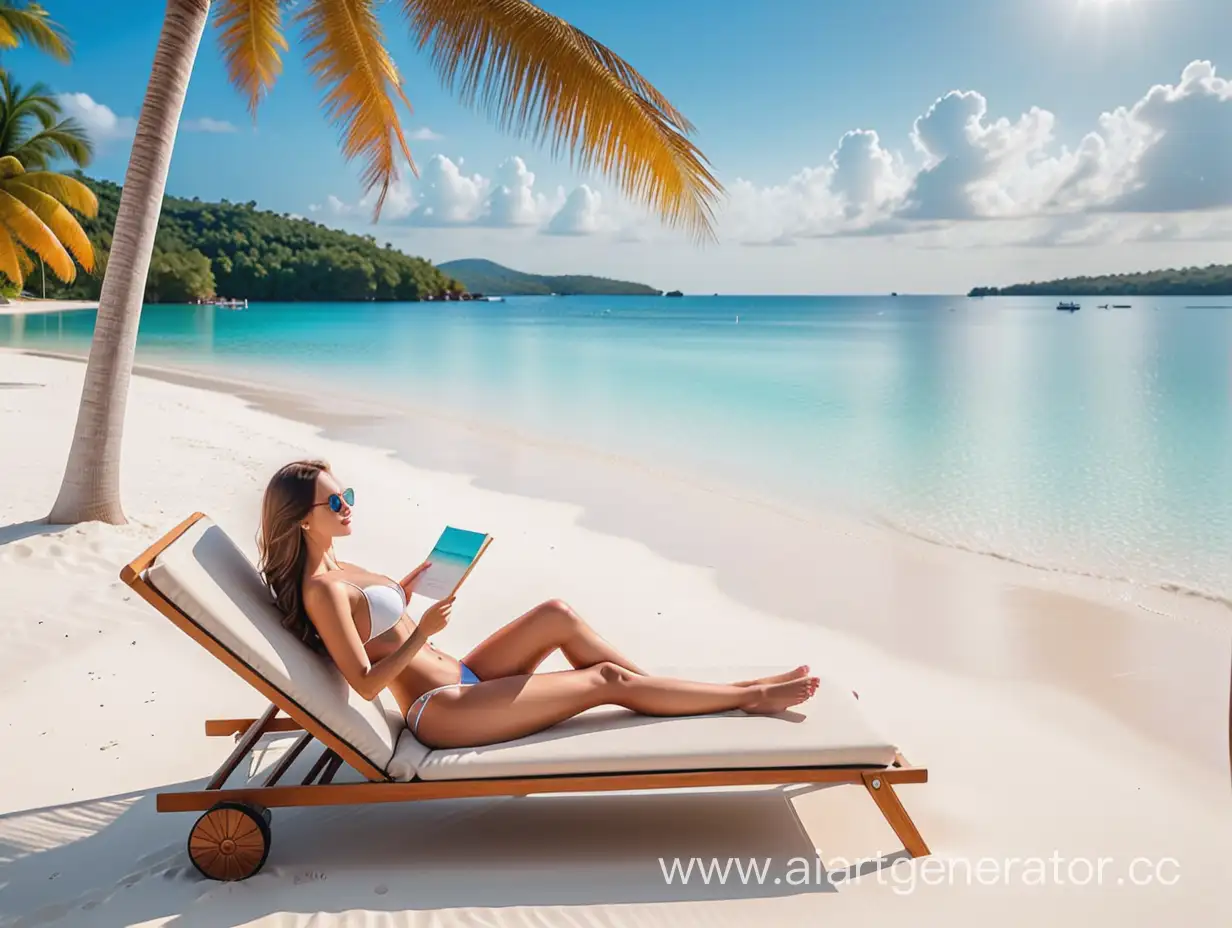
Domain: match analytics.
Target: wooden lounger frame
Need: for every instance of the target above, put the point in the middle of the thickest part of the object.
(318, 788)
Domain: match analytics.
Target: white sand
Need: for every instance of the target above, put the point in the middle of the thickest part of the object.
(26, 307)
(1069, 757)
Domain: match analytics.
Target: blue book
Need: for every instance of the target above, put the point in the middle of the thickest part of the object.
(451, 560)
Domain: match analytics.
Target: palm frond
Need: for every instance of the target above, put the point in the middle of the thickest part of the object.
(31, 23)
(68, 190)
(347, 55)
(67, 139)
(26, 227)
(59, 220)
(536, 75)
(250, 35)
(10, 167)
(10, 262)
(25, 261)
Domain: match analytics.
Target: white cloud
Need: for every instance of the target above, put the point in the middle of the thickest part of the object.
(424, 134)
(1164, 154)
(512, 200)
(100, 121)
(103, 125)
(206, 124)
(581, 214)
(445, 196)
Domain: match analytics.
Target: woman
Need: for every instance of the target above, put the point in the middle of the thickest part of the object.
(493, 694)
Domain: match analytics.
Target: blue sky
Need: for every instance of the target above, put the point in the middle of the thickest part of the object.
(1031, 171)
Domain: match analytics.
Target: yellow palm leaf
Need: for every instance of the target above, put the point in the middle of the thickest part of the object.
(536, 75)
(25, 261)
(68, 190)
(26, 227)
(347, 55)
(10, 264)
(61, 222)
(250, 35)
(31, 23)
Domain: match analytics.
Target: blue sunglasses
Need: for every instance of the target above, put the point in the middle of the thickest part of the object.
(335, 501)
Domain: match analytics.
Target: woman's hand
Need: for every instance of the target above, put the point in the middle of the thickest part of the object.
(436, 616)
(408, 582)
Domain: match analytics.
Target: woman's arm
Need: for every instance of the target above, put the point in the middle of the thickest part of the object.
(329, 609)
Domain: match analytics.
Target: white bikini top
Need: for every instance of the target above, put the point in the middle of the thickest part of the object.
(385, 606)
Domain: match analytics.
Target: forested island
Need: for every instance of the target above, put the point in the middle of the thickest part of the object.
(488, 277)
(236, 250)
(1212, 280)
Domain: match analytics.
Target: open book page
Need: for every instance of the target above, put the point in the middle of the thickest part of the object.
(450, 559)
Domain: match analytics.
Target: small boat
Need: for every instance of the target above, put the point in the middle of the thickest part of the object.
(228, 304)
(1068, 307)
(1121, 305)
(673, 293)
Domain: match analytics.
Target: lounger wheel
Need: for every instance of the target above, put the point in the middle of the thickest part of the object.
(230, 841)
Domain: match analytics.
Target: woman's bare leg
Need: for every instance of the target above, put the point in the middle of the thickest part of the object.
(523, 644)
(515, 706)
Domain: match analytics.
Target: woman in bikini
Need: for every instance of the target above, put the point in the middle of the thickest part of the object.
(493, 694)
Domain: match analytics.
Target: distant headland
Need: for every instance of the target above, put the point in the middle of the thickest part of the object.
(1212, 280)
(480, 276)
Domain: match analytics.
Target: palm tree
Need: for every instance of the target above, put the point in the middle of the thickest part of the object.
(531, 72)
(29, 22)
(33, 130)
(33, 215)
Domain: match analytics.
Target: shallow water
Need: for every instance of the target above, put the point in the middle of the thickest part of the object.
(1097, 442)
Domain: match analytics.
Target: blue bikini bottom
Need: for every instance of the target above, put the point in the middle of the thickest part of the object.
(466, 677)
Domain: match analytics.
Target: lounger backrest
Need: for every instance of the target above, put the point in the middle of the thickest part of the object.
(208, 578)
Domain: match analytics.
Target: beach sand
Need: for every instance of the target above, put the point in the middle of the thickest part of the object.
(1067, 722)
(28, 307)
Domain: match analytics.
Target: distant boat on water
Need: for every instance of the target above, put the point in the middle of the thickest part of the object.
(227, 304)
(673, 293)
(1068, 307)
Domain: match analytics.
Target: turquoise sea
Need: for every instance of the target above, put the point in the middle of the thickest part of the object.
(1098, 442)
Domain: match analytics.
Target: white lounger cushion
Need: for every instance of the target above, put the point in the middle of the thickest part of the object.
(214, 583)
(828, 730)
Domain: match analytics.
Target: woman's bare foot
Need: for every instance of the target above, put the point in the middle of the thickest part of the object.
(775, 697)
(801, 671)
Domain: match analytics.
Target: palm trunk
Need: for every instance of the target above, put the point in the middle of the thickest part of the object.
(91, 486)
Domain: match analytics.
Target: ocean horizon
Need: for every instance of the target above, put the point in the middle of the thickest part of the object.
(1097, 443)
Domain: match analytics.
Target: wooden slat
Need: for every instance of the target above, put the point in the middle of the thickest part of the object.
(331, 770)
(241, 749)
(287, 759)
(215, 728)
(317, 766)
(132, 571)
(891, 807)
(131, 574)
(417, 790)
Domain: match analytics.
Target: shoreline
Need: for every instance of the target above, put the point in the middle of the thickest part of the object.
(364, 417)
(714, 529)
(34, 307)
(1056, 719)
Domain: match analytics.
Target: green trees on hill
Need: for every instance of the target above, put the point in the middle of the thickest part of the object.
(236, 250)
(1212, 280)
(482, 276)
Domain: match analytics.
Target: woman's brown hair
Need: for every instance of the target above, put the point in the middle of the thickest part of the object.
(282, 546)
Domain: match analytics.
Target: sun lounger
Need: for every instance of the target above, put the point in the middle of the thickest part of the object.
(199, 579)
